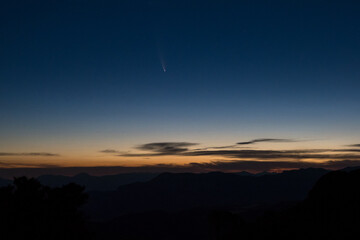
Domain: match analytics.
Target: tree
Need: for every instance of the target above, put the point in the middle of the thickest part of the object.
(29, 210)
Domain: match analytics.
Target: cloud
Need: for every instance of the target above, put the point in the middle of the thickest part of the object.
(179, 149)
(266, 140)
(233, 151)
(27, 165)
(220, 165)
(273, 155)
(347, 150)
(163, 148)
(221, 147)
(257, 166)
(354, 145)
(109, 151)
(39, 154)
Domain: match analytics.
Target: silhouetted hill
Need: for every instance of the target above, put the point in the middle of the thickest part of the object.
(96, 183)
(349, 169)
(244, 173)
(179, 191)
(331, 211)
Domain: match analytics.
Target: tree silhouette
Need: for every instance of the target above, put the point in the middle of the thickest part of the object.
(29, 210)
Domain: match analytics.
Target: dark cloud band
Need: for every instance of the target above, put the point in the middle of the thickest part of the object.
(266, 140)
(36, 154)
(354, 145)
(167, 148)
(233, 151)
(109, 151)
(221, 165)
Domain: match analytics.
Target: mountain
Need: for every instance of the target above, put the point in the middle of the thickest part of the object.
(350, 169)
(180, 191)
(244, 173)
(96, 183)
(331, 211)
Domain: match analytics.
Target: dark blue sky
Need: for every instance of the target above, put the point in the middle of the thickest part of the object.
(76, 69)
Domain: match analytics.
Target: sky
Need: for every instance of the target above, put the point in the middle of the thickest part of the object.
(164, 85)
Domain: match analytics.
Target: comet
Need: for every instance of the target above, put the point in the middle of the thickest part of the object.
(161, 57)
(163, 64)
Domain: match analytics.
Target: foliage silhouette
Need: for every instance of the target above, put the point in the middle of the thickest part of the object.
(30, 210)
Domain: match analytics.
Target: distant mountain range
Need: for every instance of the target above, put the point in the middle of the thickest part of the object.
(112, 182)
(115, 195)
(96, 183)
(331, 210)
(106, 182)
(311, 204)
(180, 191)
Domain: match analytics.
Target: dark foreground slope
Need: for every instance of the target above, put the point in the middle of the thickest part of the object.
(176, 192)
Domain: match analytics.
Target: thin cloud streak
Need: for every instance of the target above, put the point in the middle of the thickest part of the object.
(354, 145)
(181, 149)
(109, 151)
(167, 148)
(38, 154)
(256, 166)
(27, 165)
(272, 154)
(346, 150)
(232, 151)
(279, 140)
(221, 147)
(220, 165)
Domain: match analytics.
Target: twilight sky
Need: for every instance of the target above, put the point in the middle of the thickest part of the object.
(190, 85)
